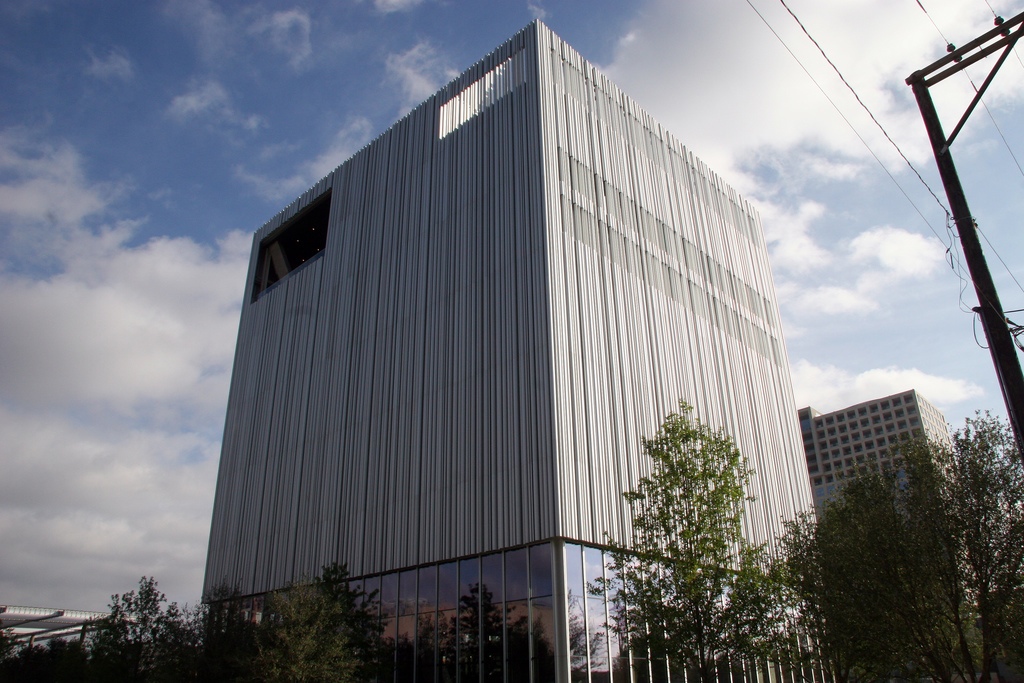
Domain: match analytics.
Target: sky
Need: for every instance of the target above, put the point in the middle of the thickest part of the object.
(141, 144)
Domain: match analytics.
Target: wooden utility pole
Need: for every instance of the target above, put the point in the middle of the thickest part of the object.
(993, 320)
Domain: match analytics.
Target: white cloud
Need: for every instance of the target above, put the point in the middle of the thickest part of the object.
(114, 366)
(115, 66)
(762, 97)
(389, 6)
(537, 10)
(86, 510)
(828, 387)
(200, 99)
(864, 273)
(420, 71)
(347, 141)
(788, 234)
(211, 29)
(288, 33)
(121, 327)
(45, 183)
(901, 254)
(210, 99)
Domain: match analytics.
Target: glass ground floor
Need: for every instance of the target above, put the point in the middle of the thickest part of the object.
(534, 614)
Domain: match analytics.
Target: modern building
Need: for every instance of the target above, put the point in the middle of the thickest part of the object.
(839, 443)
(450, 349)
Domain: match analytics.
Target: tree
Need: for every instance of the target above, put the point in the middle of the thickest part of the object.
(970, 500)
(846, 568)
(132, 642)
(918, 571)
(317, 630)
(689, 585)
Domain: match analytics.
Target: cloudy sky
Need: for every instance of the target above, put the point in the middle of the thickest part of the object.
(141, 143)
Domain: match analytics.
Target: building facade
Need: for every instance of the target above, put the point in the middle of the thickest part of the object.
(451, 347)
(839, 443)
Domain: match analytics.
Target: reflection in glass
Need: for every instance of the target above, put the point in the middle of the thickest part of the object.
(389, 631)
(574, 570)
(593, 564)
(407, 592)
(517, 640)
(659, 670)
(540, 570)
(641, 670)
(492, 619)
(491, 576)
(426, 636)
(446, 641)
(428, 589)
(517, 586)
(405, 653)
(388, 595)
(597, 637)
(620, 670)
(469, 619)
(543, 637)
(575, 611)
(371, 588)
(447, 585)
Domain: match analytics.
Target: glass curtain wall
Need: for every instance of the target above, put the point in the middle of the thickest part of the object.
(484, 619)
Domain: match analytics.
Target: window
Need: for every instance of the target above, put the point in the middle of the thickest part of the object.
(299, 240)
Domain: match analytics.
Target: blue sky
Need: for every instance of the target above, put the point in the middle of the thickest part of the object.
(142, 143)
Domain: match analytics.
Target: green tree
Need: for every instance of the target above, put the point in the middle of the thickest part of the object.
(846, 569)
(689, 585)
(969, 501)
(918, 571)
(317, 630)
(133, 641)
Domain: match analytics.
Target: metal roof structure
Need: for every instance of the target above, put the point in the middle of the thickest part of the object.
(32, 624)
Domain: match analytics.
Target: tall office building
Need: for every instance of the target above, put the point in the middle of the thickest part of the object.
(839, 443)
(451, 346)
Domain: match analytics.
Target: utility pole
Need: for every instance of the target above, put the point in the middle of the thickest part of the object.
(993, 320)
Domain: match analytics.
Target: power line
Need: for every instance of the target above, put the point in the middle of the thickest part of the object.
(950, 48)
(987, 241)
(995, 124)
(951, 251)
(859, 100)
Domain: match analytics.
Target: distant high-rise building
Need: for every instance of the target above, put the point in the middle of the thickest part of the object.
(451, 347)
(837, 444)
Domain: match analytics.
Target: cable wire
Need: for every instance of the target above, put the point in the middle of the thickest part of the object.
(859, 100)
(951, 250)
(1012, 276)
(877, 123)
(995, 124)
(852, 128)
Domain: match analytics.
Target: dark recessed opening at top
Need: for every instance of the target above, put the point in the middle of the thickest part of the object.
(297, 242)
